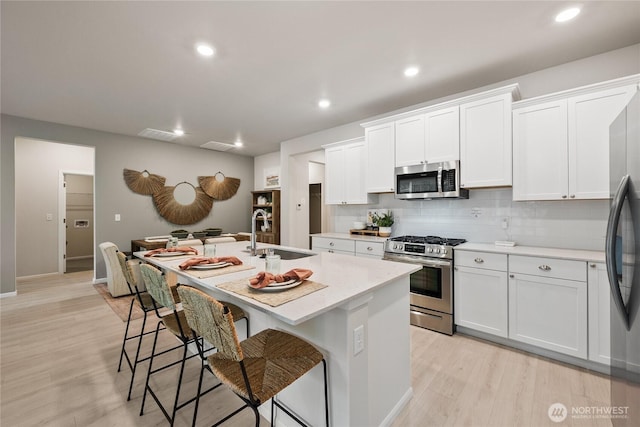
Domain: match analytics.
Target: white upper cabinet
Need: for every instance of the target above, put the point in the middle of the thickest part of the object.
(442, 128)
(380, 167)
(540, 151)
(345, 173)
(428, 138)
(561, 142)
(485, 142)
(410, 141)
(589, 117)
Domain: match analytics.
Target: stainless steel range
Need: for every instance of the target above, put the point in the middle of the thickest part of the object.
(431, 293)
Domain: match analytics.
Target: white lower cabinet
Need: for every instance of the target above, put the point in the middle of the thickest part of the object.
(548, 304)
(369, 249)
(480, 286)
(347, 246)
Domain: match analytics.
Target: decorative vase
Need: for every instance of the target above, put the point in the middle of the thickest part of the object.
(384, 231)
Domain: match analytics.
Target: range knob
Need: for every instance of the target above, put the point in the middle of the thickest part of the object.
(397, 246)
(437, 250)
(429, 249)
(444, 251)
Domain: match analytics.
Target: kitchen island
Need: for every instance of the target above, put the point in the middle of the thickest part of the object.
(360, 321)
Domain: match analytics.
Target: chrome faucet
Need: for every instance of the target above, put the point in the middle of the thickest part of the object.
(253, 229)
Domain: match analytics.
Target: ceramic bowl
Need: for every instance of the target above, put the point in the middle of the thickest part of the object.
(359, 225)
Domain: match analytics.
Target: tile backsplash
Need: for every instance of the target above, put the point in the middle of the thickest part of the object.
(574, 224)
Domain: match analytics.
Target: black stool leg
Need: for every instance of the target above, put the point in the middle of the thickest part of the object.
(146, 384)
(126, 332)
(137, 359)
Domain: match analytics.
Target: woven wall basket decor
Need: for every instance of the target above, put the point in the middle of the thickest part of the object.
(177, 213)
(143, 182)
(219, 187)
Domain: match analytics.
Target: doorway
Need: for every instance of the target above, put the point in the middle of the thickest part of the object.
(77, 230)
(315, 209)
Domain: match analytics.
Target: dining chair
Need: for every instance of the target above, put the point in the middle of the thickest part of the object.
(131, 271)
(116, 282)
(256, 369)
(173, 319)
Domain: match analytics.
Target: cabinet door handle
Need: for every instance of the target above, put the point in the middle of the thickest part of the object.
(512, 276)
(330, 251)
(573, 196)
(564, 196)
(369, 248)
(479, 260)
(330, 243)
(592, 265)
(544, 267)
(455, 268)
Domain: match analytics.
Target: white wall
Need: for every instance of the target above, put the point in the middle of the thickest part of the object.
(261, 164)
(535, 223)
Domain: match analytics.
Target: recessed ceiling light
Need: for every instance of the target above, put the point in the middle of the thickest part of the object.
(411, 71)
(178, 132)
(238, 144)
(324, 103)
(567, 15)
(204, 50)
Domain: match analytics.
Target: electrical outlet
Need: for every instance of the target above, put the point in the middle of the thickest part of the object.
(476, 212)
(49, 217)
(117, 217)
(505, 223)
(358, 339)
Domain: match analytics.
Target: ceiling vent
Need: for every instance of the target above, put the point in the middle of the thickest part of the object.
(158, 134)
(217, 146)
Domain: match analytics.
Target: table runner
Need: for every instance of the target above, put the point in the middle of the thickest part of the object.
(203, 274)
(273, 299)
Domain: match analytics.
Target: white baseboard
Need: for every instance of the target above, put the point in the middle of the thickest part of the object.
(404, 401)
(8, 294)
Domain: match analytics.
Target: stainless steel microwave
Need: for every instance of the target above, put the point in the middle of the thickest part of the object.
(430, 181)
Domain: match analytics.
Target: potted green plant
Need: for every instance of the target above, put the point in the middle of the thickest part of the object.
(384, 222)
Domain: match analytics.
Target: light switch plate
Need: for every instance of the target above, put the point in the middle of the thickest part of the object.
(358, 339)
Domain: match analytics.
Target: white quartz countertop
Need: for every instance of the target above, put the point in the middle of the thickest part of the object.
(348, 236)
(570, 254)
(348, 278)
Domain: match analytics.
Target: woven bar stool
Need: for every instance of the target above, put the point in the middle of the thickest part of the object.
(256, 369)
(131, 271)
(175, 322)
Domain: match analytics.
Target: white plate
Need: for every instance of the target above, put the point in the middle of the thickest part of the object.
(210, 266)
(275, 287)
(169, 254)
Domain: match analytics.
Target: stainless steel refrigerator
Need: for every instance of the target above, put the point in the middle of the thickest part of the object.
(623, 263)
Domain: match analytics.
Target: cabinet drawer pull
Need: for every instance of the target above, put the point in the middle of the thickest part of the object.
(544, 267)
(369, 248)
(330, 243)
(330, 251)
(573, 196)
(479, 260)
(564, 196)
(592, 265)
(512, 276)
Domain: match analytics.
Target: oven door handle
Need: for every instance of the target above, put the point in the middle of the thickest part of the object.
(435, 263)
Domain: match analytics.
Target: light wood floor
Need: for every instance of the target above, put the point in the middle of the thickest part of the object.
(59, 352)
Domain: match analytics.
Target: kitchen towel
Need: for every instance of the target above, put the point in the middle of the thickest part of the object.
(264, 279)
(274, 299)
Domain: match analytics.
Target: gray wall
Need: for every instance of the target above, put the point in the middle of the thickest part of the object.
(114, 152)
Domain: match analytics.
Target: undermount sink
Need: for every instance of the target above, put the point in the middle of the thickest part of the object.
(284, 254)
(289, 254)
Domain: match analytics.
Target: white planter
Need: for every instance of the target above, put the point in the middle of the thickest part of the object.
(384, 231)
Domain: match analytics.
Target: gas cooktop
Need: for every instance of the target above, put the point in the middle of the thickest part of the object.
(426, 246)
(428, 240)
